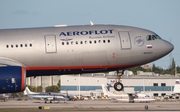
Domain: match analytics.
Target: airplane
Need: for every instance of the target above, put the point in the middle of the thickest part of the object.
(141, 97)
(45, 96)
(78, 49)
(4, 97)
(177, 87)
(127, 97)
(176, 92)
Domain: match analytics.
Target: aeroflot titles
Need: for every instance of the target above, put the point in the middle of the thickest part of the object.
(90, 32)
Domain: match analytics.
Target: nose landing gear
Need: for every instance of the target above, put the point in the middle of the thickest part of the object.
(118, 86)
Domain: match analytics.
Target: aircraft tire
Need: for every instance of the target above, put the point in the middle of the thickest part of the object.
(118, 86)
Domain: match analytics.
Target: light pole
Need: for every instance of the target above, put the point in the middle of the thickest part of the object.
(175, 70)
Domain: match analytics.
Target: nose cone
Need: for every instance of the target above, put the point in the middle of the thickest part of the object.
(168, 47)
(163, 48)
(171, 47)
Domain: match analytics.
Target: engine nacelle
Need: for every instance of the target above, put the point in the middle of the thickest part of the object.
(12, 79)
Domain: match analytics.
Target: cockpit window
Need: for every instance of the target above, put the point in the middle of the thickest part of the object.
(148, 37)
(158, 36)
(152, 37)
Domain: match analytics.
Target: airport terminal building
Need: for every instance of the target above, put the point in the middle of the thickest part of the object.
(90, 84)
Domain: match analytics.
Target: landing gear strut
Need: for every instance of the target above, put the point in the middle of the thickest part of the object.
(118, 86)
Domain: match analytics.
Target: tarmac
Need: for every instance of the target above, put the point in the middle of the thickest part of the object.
(87, 105)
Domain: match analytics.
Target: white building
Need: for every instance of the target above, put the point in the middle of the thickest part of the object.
(88, 84)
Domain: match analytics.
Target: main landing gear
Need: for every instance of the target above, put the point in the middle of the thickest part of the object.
(118, 86)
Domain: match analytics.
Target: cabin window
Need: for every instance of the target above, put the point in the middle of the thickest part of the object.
(30, 45)
(104, 41)
(67, 43)
(81, 42)
(71, 42)
(95, 41)
(7, 46)
(76, 42)
(99, 41)
(90, 42)
(62, 43)
(25, 45)
(21, 45)
(108, 41)
(11, 46)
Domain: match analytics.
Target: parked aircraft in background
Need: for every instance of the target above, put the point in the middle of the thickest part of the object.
(127, 97)
(177, 87)
(176, 92)
(46, 97)
(62, 49)
(4, 97)
(141, 97)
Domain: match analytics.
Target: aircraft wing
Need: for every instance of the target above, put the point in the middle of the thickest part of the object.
(10, 62)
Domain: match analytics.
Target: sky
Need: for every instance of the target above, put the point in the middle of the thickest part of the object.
(160, 16)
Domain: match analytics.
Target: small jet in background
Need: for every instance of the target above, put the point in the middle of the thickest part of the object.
(4, 97)
(45, 96)
(141, 97)
(176, 92)
(128, 97)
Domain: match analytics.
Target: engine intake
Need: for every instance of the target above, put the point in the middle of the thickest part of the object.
(12, 79)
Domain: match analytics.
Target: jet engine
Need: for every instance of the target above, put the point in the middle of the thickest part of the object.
(12, 79)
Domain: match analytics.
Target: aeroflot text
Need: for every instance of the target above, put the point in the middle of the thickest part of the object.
(91, 32)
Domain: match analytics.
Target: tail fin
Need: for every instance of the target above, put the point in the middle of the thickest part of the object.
(25, 93)
(177, 86)
(105, 90)
(28, 91)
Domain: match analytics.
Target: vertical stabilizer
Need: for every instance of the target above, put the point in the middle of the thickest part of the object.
(28, 91)
(105, 90)
(25, 93)
(177, 86)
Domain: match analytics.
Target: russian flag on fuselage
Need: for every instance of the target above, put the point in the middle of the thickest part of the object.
(149, 46)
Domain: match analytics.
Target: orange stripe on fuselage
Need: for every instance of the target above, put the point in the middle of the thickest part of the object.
(22, 80)
(77, 67)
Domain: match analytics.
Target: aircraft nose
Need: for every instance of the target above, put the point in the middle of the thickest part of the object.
(168, 47)
(171, 47)
(163, 48)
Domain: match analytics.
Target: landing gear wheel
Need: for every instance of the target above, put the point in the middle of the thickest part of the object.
(118, 86)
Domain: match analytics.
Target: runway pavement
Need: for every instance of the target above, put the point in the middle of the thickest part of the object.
(88, 105)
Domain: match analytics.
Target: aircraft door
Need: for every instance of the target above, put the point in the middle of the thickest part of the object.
(124, 39)
(50, 44)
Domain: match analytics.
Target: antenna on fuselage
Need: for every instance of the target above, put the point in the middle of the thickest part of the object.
(91, 23)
